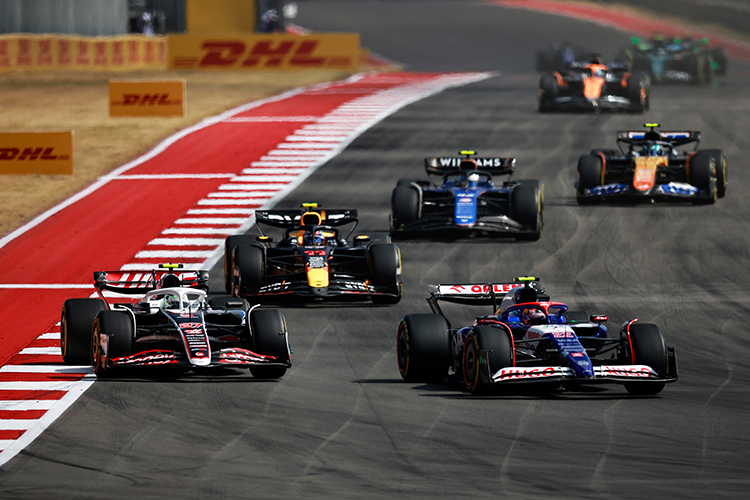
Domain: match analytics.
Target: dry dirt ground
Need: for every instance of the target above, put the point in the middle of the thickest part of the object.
(79, 101)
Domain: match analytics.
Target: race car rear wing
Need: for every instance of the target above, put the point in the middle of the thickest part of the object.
(299, 217)
(451, 164)
(477, 294)
(675, 138)
(141, 282)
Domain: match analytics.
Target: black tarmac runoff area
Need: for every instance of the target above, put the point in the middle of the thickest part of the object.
(342, 424)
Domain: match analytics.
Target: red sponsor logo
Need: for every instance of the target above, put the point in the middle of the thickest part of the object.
(474, 289)
(185, 326)
(83, 53)
(158, 99)
(522, 373)
(265, 54)
(44, 58)
(100, 53)
(24, 52)
(4, 54)
(30, 154)
(630, 371)
(63, 56)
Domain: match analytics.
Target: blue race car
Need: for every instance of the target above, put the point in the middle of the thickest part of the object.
(468, 201)
(529, 339)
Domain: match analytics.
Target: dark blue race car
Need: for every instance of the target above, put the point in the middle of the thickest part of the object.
(528, 340)
(468, 201)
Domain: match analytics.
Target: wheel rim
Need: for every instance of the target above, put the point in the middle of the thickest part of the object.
(403, 353)
(471, 364)
(96, 351)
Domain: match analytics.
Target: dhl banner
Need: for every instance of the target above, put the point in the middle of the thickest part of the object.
(36, 152)
(237, 51)
(63, 52)
(146, 98)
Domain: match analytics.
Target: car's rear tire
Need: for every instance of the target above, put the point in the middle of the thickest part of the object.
(250, 264)
(384, 261)
(703, 176)
(120, 331)
(423, 348)
(648, 348)
(589, 171)
(404, 206)
(527, 208)
(76, 324)
(496, 344)
(269, 337)
(720, 164)
(638, 92)
(230, 244)
(548, 91)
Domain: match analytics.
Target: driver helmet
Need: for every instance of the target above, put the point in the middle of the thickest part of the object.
(316, 238)
(533, 317)
(473, 180)
(655, 150)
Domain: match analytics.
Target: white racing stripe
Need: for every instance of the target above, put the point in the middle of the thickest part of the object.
(197, 230)
(84, 370)
(46, 351)
(222, 211)
(186, 242)
(29, 404)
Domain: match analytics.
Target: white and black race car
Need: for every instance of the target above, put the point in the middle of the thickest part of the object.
(172, 323)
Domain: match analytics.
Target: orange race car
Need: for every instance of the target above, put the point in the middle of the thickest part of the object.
(650, 167)
(594, 86)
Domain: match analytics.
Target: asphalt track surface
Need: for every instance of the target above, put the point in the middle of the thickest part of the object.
(342, 424)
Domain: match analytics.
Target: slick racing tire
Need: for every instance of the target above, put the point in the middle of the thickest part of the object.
(527, 208)
(404, 206)
(250, 264)
(696, 66)
(229, 303)
(269, 336)
(230, 244)
(76, 325)
(590, 169)
(120, 332)
(648, 348)
(638, 92)
(384, 261)
(720, 163)
(703, 176)
(548, 91)
(423, 348)
(498, 349)
(719, 57)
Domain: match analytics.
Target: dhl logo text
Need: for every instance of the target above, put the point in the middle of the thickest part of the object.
(30, 154)
(263, 53)
(159, 99)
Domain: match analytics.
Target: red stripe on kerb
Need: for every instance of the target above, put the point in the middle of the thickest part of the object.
(21, 414)
(20, 395)
(11, 434)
